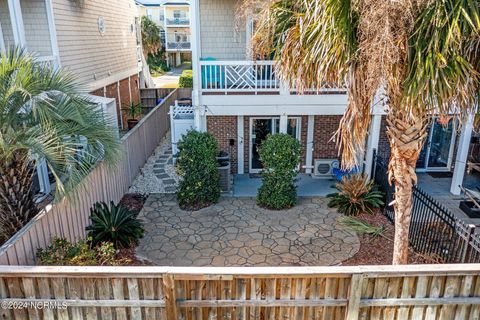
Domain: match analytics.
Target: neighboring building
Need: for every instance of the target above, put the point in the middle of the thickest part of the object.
(240, 101)
(173, 18)
(94, 40)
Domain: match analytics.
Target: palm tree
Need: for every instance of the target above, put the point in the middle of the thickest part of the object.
(151, 41)
(43, 116)
(420, 53)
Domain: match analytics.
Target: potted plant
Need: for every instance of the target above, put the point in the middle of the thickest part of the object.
(133, 110)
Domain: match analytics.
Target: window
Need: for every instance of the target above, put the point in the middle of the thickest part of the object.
(149, 13)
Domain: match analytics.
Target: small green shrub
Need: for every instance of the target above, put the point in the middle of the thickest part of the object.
(63, 253)
(186, 79)
(157, 64)
(280, 155)
(356, 195)
(115, 224)
(197, 166)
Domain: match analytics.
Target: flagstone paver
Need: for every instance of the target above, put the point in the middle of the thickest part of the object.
(236, 232)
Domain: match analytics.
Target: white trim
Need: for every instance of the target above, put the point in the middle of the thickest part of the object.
(276, 110)
(240, 145)
(372, 143)
(283, 123)
(92, 86)
(16, 19)
(462, 155)
(196, 51)
(2, 41)
(53, 33)
(309, 144)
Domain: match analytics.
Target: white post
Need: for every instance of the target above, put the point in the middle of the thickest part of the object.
(2, 42)
(17, 22)
(309, 146)
(372, 143)
(240, 144)
(283, 123)
(53, 33)
(462, 155)
(196, 52)
(178, 59)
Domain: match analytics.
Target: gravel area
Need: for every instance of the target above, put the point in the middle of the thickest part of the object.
(159, 174)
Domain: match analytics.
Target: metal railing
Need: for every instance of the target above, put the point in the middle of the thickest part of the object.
(434, 230)
(186, 45)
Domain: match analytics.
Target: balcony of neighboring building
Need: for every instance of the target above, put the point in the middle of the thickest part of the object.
(177, 15)
(28, 24)
(178, 42)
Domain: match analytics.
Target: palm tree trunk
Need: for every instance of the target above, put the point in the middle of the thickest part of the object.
(17, 205)
(406, 133)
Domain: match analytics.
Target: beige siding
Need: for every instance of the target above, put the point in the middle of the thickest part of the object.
(83, 50)
(169, 11)
(220, 38)
(155, 13)
(6, 24)
(35, 21)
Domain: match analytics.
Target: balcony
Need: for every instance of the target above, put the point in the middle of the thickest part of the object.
(178, 46)
(248, 77)
(178, 22)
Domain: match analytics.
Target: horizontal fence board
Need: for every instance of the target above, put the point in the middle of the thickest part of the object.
(68, 218)
(257, 293)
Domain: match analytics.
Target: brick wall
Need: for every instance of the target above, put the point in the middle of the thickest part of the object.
(224, 128)
(324, 129)
(124, 92)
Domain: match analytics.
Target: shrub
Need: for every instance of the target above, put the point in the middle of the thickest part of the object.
(157, 64)
(197, 166)
(186, 79)
(115, 224)
(280, 155)
(63, 253)
(356, 195)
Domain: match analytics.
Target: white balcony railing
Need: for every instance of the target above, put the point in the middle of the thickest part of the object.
(182, 45)
(178, 21)
(239, 76)
(247, 77)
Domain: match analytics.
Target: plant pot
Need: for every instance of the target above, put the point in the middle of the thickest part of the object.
(131, 123)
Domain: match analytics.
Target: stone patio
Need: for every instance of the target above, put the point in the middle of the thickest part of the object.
(235, 232)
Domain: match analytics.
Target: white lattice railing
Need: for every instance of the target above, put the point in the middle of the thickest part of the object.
(248, 77)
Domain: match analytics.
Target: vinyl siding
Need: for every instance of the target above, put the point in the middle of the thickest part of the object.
(88, 54)
(220, 37)
(35, 21)
(6, 24)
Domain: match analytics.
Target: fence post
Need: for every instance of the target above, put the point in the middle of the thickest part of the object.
(170, 297)
(468, 247)
(354, 297)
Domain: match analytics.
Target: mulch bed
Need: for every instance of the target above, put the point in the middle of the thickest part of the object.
(133, 202)
(379, 250)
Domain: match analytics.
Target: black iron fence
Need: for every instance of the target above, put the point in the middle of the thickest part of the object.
(434, 230)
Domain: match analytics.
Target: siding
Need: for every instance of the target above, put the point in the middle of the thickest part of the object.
(35, 21)
(83, 50)
(220, 37)
(6, 24)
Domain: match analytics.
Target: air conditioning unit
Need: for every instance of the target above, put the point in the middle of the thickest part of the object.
(324, 167)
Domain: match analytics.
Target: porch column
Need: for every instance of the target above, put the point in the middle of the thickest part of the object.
(17, 22)
(283, 123)
(53, 33)
(196, 51)
(372, 143)
(240, 144)
(2, 43)
(200, 118)
(309, 146)
(462, 155)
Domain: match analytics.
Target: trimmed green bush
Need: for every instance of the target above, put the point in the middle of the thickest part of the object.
(280, 155)
(186, 79)
(115, 224)
(197, 166)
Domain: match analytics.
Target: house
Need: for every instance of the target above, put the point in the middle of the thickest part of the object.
(95, 41)
(173, 18)
(240, 101)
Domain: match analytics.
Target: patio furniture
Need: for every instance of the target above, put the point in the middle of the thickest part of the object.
(471, 207)
(472, 166)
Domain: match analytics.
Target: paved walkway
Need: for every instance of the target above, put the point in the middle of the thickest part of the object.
(158, 175)
(235, 232)
(170, 78)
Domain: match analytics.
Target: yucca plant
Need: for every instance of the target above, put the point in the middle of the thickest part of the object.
(355, 196)
(115, 224)
(43, 114)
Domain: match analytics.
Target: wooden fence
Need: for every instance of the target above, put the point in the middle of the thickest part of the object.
(68, 218)
(370, 292)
